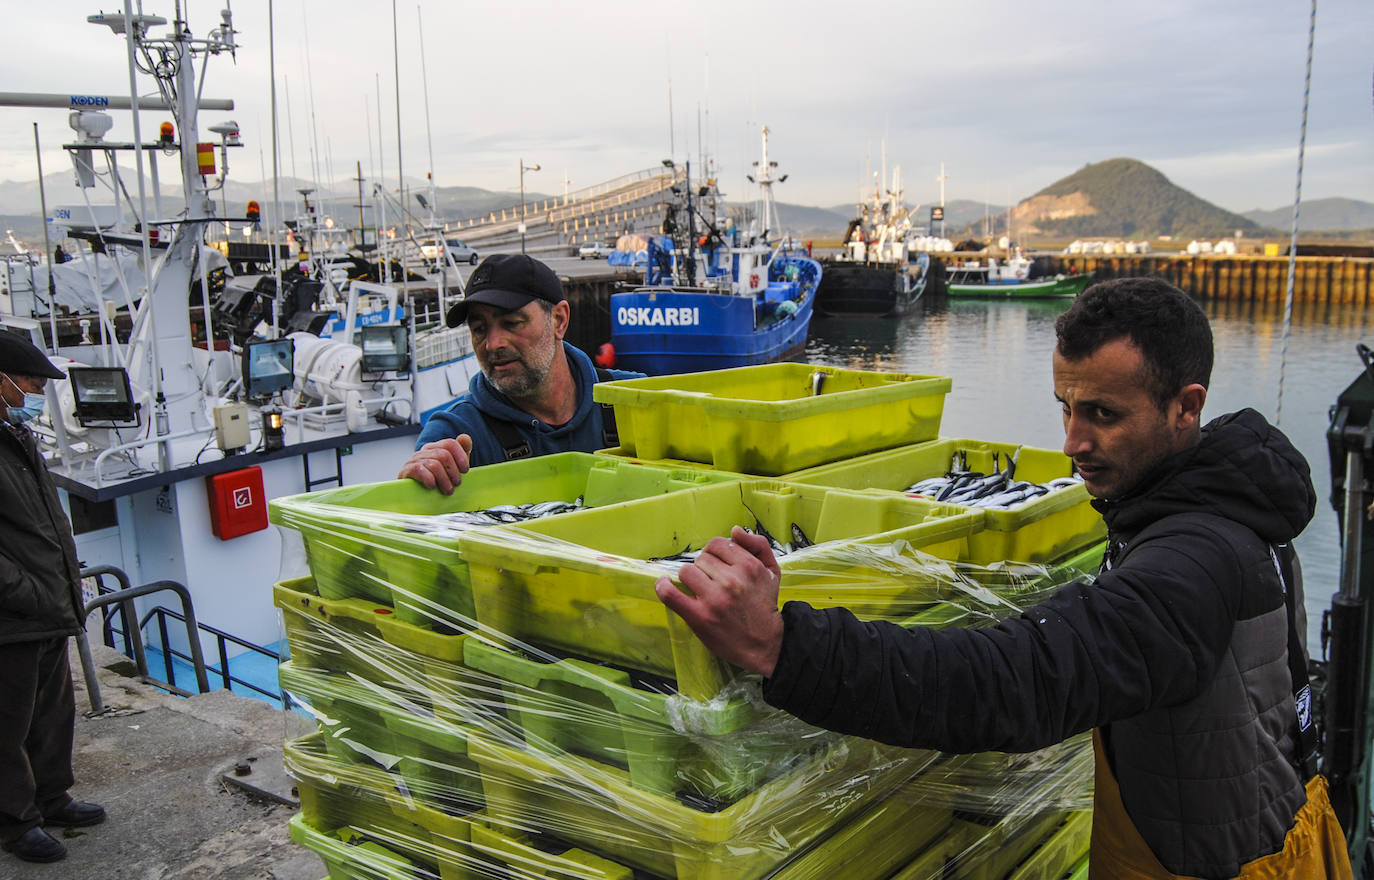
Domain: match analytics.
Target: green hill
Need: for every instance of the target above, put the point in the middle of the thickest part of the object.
(1123, 198)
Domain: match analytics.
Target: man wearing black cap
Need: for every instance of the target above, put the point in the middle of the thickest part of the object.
(534, 394)
(40, 592)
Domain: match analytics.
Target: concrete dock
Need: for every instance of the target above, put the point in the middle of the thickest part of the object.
(164, 769)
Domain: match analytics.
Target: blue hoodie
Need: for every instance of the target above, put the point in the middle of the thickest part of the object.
(583, 433)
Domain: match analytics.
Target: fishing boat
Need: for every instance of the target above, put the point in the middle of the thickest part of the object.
(722, 298)
(168, 437)
(1017, 277)
(878, 272)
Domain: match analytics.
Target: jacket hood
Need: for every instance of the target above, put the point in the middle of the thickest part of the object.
(1244, 469)
(492, 402)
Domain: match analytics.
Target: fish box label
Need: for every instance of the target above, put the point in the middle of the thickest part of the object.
(656, 316)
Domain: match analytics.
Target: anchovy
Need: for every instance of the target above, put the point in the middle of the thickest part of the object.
(454, 523)
(995, 490)
(817, 380)
(799, 539)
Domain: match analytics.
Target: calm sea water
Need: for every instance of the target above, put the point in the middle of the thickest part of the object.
(998, 356)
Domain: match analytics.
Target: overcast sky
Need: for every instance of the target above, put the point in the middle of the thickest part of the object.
(1009, 95)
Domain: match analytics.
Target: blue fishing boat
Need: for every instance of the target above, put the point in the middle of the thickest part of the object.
(720, 299)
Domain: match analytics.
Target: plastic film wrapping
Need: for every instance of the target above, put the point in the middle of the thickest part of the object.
(522, 705)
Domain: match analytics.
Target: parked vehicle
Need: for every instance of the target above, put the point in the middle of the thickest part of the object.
(462, 253)
(594, 250)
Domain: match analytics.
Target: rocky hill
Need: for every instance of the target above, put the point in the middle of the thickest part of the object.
(1121, 198)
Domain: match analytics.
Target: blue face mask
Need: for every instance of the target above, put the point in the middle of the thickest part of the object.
(33, 405)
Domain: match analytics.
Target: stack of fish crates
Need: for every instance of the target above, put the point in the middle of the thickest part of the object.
(510, 699)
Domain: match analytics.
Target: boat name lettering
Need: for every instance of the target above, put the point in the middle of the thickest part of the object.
(643, 316)
(90, 101)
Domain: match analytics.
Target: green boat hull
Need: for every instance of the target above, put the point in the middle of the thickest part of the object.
(1064, 285)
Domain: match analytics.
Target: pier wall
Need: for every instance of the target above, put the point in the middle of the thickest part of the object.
(1318, 280)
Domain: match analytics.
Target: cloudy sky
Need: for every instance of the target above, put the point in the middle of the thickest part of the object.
(1009, 95)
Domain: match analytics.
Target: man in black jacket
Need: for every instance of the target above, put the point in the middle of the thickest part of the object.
(40, 594)
(1177, 655)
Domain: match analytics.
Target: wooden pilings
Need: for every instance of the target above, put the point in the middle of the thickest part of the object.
(1318, 280)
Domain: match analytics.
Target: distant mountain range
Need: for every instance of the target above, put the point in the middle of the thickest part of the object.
(1118, 198)
(1333, 214)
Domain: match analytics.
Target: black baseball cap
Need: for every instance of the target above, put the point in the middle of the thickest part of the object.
(507, 281)
(19, 357)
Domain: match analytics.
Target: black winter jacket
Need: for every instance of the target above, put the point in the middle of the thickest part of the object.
(40, 583)
(1178, 652)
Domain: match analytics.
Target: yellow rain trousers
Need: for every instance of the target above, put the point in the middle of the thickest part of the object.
(1314, 849)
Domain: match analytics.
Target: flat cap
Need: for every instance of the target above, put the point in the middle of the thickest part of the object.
(19, 357)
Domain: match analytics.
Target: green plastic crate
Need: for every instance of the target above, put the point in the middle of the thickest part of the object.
(366, 723)
(767, 420)
(523, 858)
(996, 849)
(581, 584)
(594, 806)
(358, 545)
(337, 794)
(348, 855)
(1043, 529)
(365, 639)
(596, 711)
(868, 847)
(366, 799)
(1080, 870)
(1061, 853)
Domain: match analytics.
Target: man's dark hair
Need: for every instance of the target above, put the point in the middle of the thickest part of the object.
(1168, 327)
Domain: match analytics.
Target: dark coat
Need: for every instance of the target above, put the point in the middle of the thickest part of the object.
(1178, 652)
(40, 583)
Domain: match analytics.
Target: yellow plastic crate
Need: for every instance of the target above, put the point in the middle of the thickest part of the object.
(361, 723)
(868, 847)
(1042, 529)
(363, 638)
(995, 850)
(720, 750)
(594, 806)
(768, 420)
(361, 542)
(349, 855)
(582, 584)
(1060, 854)
(338, 794)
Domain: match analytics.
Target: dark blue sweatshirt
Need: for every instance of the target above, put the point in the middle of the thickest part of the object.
(583, 433)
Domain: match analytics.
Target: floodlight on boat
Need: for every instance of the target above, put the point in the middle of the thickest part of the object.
(117, 22)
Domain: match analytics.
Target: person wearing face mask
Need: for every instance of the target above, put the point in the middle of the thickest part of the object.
(40, 601)
(534, 394)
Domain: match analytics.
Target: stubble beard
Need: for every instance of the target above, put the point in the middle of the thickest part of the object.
(537, 365)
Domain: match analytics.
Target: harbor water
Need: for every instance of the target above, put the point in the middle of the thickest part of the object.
(998, 354)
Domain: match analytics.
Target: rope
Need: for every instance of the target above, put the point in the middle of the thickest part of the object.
(1297, 201)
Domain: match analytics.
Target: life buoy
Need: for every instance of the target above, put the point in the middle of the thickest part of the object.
(753, 280)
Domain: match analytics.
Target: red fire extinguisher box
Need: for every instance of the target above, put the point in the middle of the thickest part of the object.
(238, 505)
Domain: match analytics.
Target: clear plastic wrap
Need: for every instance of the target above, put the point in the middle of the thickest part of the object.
(528, 716)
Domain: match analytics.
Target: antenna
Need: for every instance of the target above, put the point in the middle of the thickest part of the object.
(424, 79)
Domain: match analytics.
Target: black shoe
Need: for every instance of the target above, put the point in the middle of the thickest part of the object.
(76, 815)
(37, 845)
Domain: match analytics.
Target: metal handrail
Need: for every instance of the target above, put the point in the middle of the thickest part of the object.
(123, 598)
(221, 640)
